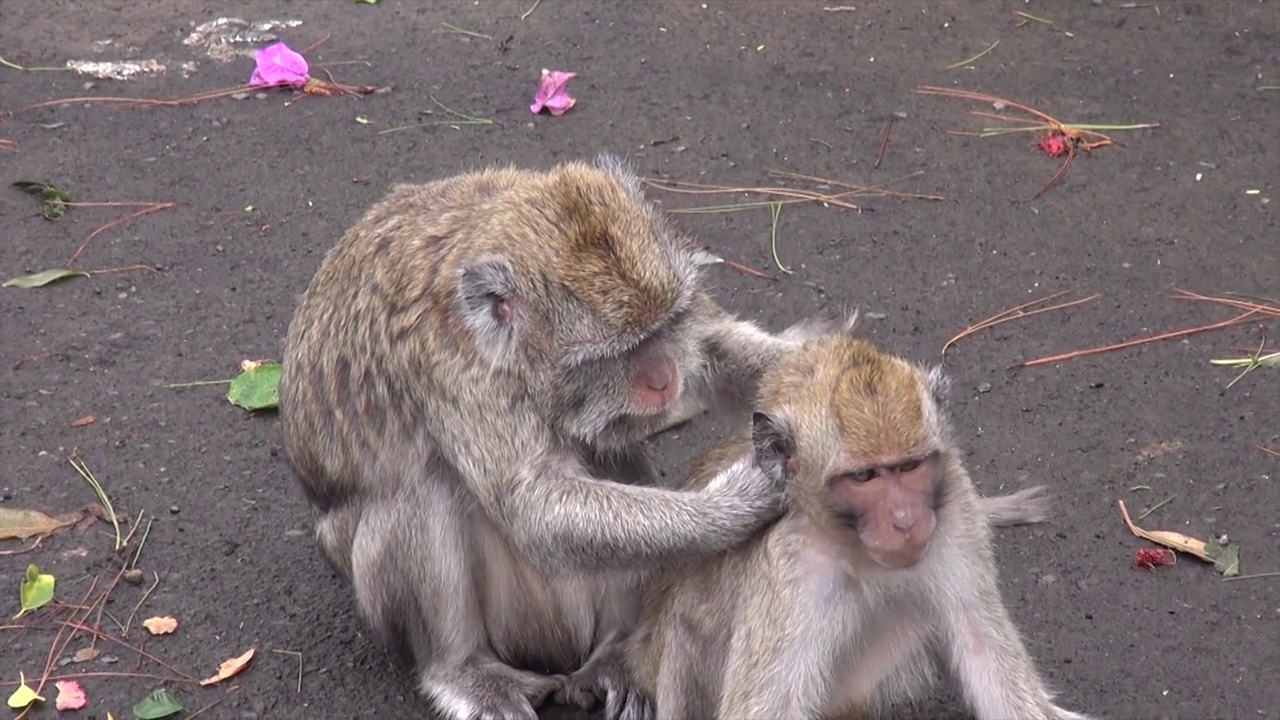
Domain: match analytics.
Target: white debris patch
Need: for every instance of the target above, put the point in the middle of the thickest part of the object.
(115, 70)
(221, 37)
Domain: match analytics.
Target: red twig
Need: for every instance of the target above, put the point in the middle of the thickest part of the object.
(1015, 313)
(154, 207)
(1140, 341)
(884, 143)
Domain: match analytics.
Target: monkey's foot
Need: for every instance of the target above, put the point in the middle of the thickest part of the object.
(489, 691)
(605, 678)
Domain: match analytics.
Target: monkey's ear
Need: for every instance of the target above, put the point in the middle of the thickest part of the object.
(487, 292)
(851, 322)
(702, 257)
(620, 169)
(939, 384)
(775, 447)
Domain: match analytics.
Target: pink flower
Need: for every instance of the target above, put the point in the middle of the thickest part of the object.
(70, 695)
(278, 65)
(552, 94)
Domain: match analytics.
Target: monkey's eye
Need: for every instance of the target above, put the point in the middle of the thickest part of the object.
(862, 476)
(908, 466)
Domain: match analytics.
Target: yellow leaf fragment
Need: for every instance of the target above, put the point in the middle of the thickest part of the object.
(24, 524)
(230, 668)
(160, 625)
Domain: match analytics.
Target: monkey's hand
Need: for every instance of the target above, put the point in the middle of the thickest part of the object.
(816, 327)
(605, 678)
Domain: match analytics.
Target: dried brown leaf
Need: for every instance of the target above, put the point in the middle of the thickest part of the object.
(230, 668)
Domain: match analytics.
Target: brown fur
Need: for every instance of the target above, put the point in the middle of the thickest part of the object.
(800, 621)
(467, 383)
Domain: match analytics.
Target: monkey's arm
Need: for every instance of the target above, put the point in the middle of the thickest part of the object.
(552, 509)
(784, 643)
(983, 647)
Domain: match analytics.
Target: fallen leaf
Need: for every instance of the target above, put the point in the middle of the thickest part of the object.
(279, 65)
(86, 420)
(257, 388)
(1225, 558)
(70, 695)
(55, 198)
(24, 524)
(86, 654)
(24, 695)
(43, 278)
(230, 668)
(158, 704)
(160, 625)
(553, 93)
(36, 590)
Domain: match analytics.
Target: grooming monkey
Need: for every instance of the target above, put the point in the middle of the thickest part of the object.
(467, 383)
(883, 558)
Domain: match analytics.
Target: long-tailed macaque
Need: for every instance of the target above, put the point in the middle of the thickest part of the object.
(881, 565)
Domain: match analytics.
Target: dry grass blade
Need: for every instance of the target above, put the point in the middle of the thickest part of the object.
(1015, 313)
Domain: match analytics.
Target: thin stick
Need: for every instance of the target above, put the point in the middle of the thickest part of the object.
(464, 31)
(884, 143)
(1269, 451)
(101, 492)
(156, 207)
(293, 652)
(1033, 18)
(1157, 506)
(206, 707)
(1066, 165)
(1254, 576)
(199, 383)
(525, 15)
(1140, 341)
(1015, 313)
(869, 190)
(124, 629)
(773, 238)
(975, 58)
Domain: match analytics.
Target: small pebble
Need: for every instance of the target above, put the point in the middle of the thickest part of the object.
(133, 575)
(1048, 579)
(984, 387)
(174, 510)
(876, 315)
(240, 96)
(900, 115)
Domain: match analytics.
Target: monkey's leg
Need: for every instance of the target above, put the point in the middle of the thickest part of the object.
(414, 582)
(604, 676)
(983, 647)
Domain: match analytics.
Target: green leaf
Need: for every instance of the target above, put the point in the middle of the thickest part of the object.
(43, 278)
(23, 696)
(156, 705)
(257, 389)
(1226, 558)
(36, 590)
(55, 198)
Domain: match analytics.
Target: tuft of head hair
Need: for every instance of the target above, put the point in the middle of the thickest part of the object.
(880, 405)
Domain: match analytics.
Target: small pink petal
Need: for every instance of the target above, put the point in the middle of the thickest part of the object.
(70, 695)
(278, 65)
(552, 93)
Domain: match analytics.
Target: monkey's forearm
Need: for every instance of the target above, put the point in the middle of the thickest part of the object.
(562, 517)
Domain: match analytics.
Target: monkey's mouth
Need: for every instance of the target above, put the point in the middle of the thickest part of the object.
(907, 555)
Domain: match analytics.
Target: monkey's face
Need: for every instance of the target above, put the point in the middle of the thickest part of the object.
(619, 398)
(890, 506)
